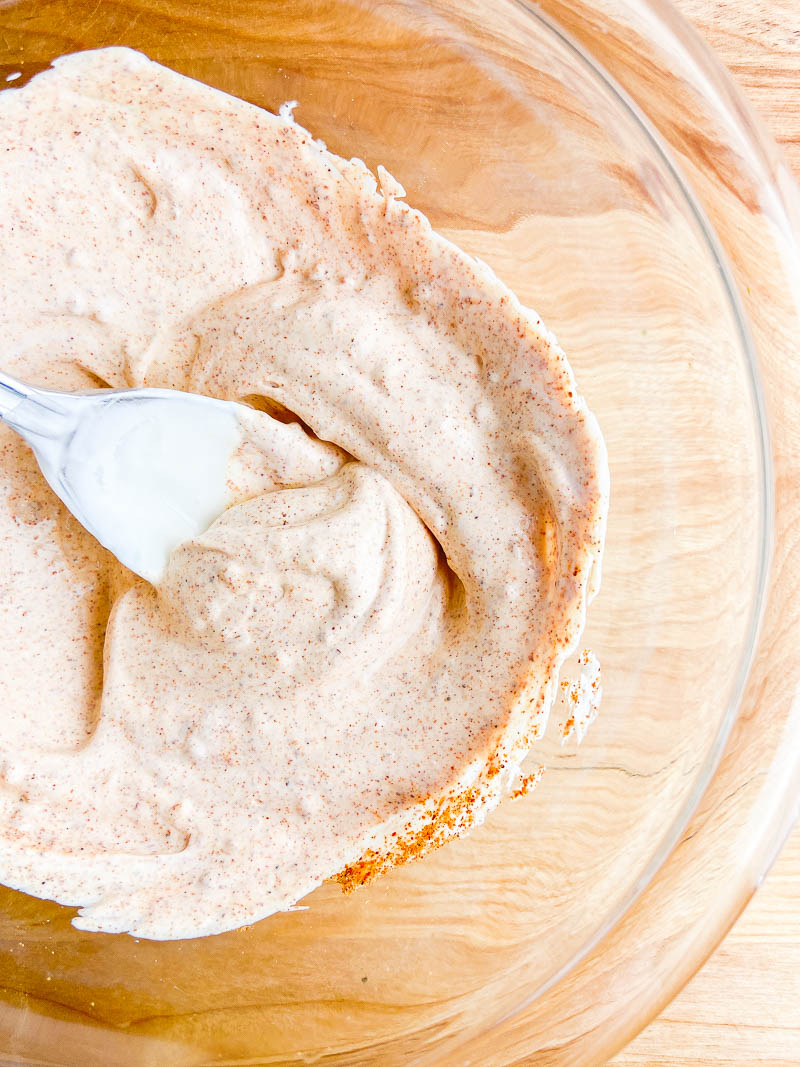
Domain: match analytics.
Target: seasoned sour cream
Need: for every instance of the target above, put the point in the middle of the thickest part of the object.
(348, 666)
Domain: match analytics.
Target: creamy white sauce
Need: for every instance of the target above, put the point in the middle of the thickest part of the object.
(348, 666)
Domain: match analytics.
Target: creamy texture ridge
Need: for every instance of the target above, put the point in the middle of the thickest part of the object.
(347, 668)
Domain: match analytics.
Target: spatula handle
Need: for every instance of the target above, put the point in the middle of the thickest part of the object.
(30, 410)
(12, 393)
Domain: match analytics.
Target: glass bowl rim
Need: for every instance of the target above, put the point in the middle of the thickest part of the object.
(694, 49)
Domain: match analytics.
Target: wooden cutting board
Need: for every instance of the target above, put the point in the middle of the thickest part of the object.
(744, 1005)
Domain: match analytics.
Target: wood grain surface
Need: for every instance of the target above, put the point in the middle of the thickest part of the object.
(744, 1006)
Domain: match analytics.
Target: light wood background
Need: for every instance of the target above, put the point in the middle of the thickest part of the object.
(743, 1008)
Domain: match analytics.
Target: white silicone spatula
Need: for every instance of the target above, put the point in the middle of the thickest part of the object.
(142, 469)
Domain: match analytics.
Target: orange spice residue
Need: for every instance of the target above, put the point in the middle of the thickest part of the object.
(529, 782)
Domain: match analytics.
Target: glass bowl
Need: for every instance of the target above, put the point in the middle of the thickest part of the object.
(520, 146)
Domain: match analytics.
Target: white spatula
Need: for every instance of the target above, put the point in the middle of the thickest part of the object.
(142, 469)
